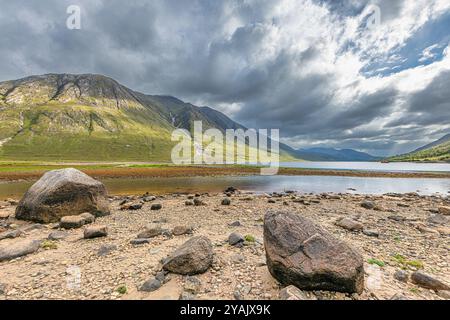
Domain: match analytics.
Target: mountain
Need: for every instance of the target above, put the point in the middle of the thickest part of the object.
(92, 117)
(330, 154)
(438, 150)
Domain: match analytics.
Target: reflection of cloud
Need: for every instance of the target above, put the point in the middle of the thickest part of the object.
(308, 67)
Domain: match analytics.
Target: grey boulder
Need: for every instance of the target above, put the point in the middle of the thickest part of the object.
(301, 253)
(61, 193)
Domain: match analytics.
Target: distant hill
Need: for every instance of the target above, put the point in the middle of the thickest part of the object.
(330, 154)
(92, 118)
(438, 150)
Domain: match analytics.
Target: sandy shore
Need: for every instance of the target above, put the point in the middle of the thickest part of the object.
(410, 238)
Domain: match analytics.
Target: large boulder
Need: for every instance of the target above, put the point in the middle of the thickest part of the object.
(193, 257)
(302, 254)
(62, 193)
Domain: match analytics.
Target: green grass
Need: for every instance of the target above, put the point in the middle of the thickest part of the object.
(249, 238)
(405, 263)
(122, 289)
(376, 262)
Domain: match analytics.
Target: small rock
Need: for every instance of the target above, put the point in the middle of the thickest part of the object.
(189, 203)
(19, 249)
(401, 276)
(198, 202)
(2, 288)
(156, 206)
(397, 218)
(438, 219)
(226, 202)
(235, 224)
(186, 296)
(139, 241)
(293, 293)
(235, 239)
(428, 282)
(367, 204)
(72, 222)
(371, 233)
(149, 199)
(151, 231)
(193, 257)
(95, 232)
(106, 249)
(271, 201)
(181, 230)
(192, 284)
(398, 296)
(11, 234)
(88, 218)
(57, 235)
(150, 285)
(444, 294)
(350, 224)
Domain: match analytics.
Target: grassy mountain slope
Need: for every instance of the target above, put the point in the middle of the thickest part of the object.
(94, 118)
(436, 151)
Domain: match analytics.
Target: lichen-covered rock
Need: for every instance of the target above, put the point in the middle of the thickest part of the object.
(61, 193)
(95, 232)
(302, 254)
(195, 256)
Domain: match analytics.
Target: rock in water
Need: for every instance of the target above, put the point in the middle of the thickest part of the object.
(19, 249)
(193, 257)
(61, 193)
(302, 254)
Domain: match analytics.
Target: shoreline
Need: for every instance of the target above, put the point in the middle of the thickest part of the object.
(400, 234)
(30, 173)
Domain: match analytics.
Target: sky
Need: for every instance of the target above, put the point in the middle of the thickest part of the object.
(368, 75)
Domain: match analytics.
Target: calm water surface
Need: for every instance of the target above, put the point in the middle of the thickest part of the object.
(304, 184)
(372, 166)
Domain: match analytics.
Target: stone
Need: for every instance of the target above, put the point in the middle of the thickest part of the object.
(149, 198)
(195, 256)
(139, 241)
(445, 294)
(397, 218)
(350, 224)
(235, 238)
(371, 233)
(88, 218)
(2, 288)
(401, 276)
(151, 285)
(186, 296)
(367, 204)
(61, 193)
(95, 232)
(198, 202)
(4, 214)
(293, 293)
(189, 203)
(398, 296)
(192, 284)
(106, 249)
(438, 219)
(444, 210)
(19, 249)
(57, 235)
(181, 230)
(301, 253)
(426, 281)
(72, 222)
(235, 224)
(156, 206)
(152, 230)
(11, 234)
(226, 202)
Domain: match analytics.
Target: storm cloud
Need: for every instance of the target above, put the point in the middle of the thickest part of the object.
(312, 68)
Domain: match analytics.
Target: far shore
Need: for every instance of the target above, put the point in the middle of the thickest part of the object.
(29, 171)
